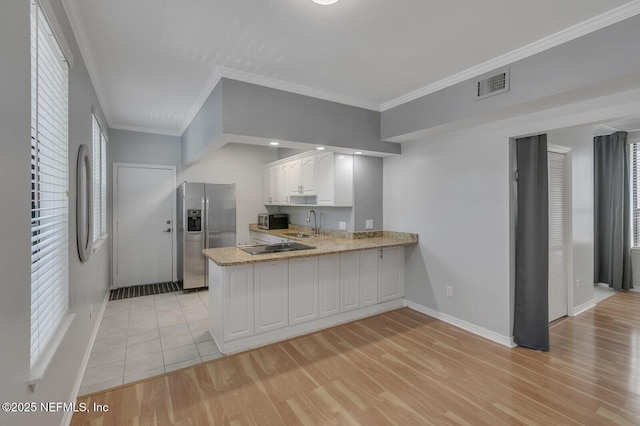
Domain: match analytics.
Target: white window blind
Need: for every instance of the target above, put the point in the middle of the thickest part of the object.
(103, 184)
(635, 192)
(49, 184)
(99, 181)
(97, 169)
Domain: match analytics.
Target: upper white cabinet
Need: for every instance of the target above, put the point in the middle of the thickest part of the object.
(310, 179)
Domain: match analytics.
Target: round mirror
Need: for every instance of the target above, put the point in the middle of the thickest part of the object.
(84, 204)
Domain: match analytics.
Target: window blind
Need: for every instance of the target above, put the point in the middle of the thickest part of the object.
(96, 179)
(49, 184)
(103, 185)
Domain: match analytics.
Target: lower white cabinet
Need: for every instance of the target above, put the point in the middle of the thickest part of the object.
(303, 290)
(349, 281)
(259, 303)
(271, 296)
(391, 273)
(238, 293)
(368, 277)
(329, 285)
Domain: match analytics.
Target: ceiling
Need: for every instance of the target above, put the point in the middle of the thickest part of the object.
(154, 62)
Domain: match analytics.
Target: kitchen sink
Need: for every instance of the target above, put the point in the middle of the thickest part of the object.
(274, 248)
(297, 235)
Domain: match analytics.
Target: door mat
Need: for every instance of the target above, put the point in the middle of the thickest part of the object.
(144, 290)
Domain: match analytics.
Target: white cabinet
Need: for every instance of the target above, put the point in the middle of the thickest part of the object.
(334, 181)
(238, 301)
(368, 277)
(391, 273)
(308, 175)
(303, 290)
(349, 282)
(271, 296)
(310, 179)
(329, 285)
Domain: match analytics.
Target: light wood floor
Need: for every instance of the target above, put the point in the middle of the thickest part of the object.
(404, 368)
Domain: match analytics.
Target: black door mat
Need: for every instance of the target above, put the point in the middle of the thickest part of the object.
(144, 290)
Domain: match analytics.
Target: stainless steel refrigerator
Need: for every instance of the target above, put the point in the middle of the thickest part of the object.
(206, 219)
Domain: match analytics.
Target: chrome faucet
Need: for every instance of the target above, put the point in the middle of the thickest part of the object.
(315, 223)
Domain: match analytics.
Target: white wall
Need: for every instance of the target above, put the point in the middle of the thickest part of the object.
(453, 190)
(88, 282)
(239, 164)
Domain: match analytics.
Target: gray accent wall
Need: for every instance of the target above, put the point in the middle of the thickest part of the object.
(367, 192)
(235, 110)
(597, 63)
(144, 148)
(88, 282)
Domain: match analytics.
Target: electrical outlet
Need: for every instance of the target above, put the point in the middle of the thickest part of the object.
(369, 224)
(342, 225)
(449, 291)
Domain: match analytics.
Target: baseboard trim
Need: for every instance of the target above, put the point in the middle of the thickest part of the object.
(577, 310)
(66, 419)
(472, 328)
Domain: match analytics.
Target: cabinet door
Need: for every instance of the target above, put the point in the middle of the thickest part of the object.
(274, 184)
(308, 175)
(325, 178)
(268, 198)
(238, 300)
(391, 273)
(303, 290)
(292, 173)
(349, 282)
(329, 291)
(368, 277)
(271, 296)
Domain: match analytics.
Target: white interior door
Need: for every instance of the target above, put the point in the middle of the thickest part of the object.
(558, 242)
(143, 221)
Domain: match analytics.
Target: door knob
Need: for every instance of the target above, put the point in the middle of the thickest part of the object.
(167, 230)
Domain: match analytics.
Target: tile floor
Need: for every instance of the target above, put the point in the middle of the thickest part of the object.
(150, 335)
(601, 292)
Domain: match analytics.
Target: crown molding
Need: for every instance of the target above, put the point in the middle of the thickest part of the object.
(80, 33)
(610, 17)
(151, 130)
(296, 88)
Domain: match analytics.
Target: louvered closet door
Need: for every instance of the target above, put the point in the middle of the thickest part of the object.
(557, 236)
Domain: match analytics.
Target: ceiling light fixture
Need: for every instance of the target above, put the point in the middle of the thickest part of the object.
(358, 152)
(320, 148)
(325, 2)
(274, 143)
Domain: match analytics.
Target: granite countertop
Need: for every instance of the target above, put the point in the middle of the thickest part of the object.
(329, 242)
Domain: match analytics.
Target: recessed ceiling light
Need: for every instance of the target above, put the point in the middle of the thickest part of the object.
(274, 143)
(358, 152)
(325, 2)
(320, 148)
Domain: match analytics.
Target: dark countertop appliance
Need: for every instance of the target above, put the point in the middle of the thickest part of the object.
(273, 221)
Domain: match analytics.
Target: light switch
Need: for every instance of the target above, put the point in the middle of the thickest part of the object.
(343, 225)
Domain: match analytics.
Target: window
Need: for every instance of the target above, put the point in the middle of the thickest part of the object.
(635, 192)
(49, 184)
(99, 181)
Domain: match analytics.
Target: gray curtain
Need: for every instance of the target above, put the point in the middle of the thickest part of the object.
(612, 211)
(531, 314)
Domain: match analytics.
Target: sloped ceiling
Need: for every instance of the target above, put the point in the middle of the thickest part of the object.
(154, 62)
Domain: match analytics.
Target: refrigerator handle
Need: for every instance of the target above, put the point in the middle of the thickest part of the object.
(203, 216)
(206, 223)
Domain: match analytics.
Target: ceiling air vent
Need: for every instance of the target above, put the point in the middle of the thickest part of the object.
(494, 85)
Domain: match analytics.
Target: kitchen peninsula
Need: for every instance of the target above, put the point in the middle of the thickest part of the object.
(259, 299)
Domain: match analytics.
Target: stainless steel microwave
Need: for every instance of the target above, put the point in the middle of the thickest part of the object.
(273, 221)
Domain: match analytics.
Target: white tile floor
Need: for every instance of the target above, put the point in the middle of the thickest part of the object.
(150, 335)
(601, 292)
